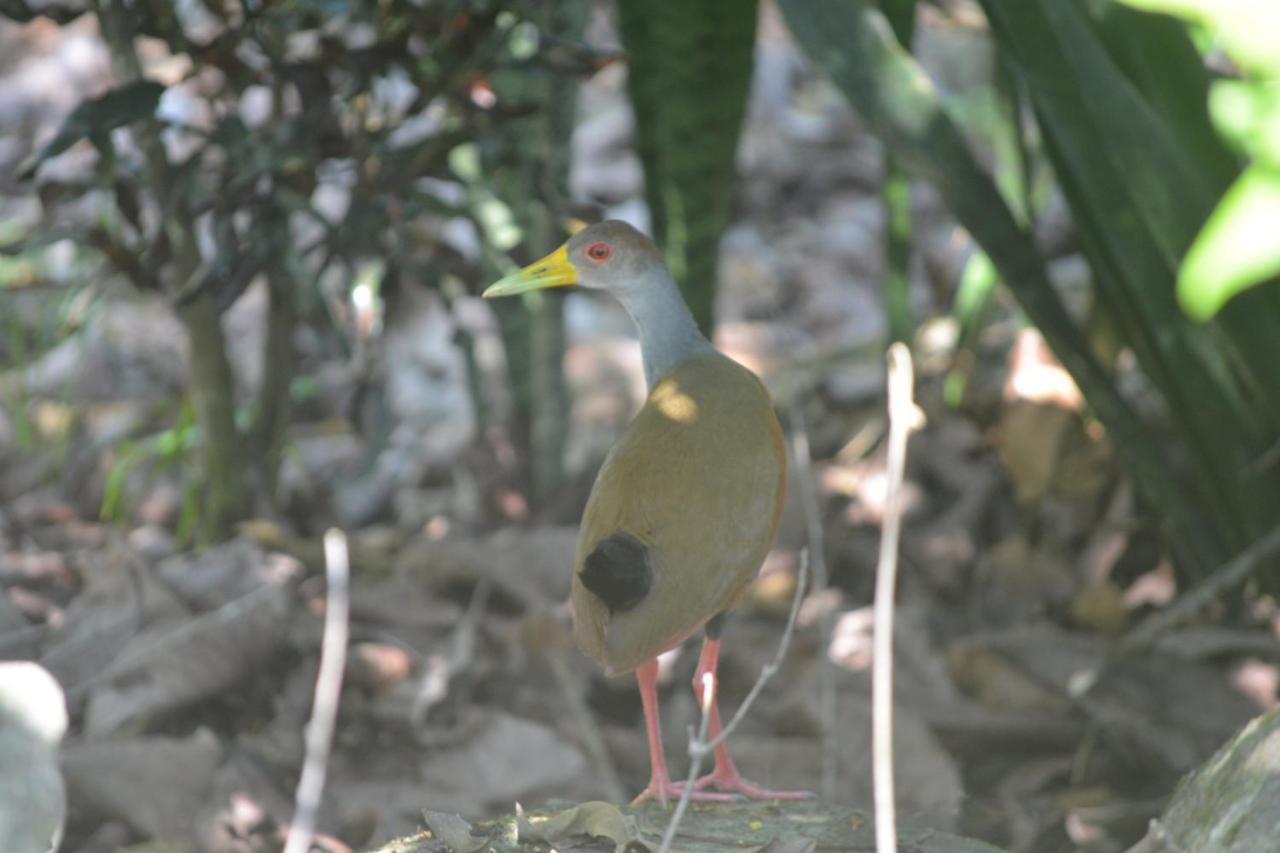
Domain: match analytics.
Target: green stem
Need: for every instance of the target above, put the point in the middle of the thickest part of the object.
(896, 196)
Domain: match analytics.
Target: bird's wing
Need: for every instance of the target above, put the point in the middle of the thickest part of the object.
(697, 480)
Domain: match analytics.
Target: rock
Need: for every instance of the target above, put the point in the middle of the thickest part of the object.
(33, 719)
(155, 785)
(1231, 804)
(509, 758)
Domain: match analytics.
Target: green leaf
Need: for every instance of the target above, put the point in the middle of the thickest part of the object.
(1249, 29)
(901, 15)
(853, 44)
(61, 13)
(688, 74)
(1157, 54)
(1139, 198)
(974, 296)
(977, 288)
(119, 107)
(1247, 112)
(1238, 247)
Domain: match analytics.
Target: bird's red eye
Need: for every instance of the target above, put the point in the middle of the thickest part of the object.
(598, 252)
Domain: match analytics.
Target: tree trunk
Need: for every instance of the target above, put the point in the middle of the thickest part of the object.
(225, 495)
(270, 430)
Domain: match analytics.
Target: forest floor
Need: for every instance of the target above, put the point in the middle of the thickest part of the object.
(1025, 555)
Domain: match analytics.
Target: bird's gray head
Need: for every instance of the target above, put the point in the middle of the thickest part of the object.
(613, 256)
(616, 258)
(610, 256)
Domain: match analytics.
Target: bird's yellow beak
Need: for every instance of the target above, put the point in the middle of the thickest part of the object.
(552, 271)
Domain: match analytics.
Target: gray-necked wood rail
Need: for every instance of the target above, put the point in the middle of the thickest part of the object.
(686, 503)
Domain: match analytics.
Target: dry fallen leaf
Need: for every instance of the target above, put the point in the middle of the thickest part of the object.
(596, 819)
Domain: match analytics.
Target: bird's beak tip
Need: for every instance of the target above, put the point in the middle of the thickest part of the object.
(552, 271)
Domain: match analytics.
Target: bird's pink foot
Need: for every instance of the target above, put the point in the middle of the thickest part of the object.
(732, 784)
(664, 791)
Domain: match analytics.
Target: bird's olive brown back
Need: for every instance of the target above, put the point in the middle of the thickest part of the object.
(698, 481)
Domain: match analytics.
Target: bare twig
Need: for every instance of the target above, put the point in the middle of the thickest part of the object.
(324, 711)
(699, 746)
(903, 418)
(808, 494)
(703, 747)
(695, 762)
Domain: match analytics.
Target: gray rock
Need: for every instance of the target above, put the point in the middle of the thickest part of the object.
(33, 719)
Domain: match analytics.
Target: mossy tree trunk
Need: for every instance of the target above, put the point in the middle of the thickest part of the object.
(212, 391)
(212, 384)
(270, 430)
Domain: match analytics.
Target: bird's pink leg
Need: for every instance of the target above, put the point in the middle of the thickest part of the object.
(725, 776)
(660, 785)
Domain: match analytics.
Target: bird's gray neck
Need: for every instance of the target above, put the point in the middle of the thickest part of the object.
(668, 334)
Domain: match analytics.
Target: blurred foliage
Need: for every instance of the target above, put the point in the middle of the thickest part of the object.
(855, 46)
(294, 142)
(1120, 103)
(1238, 249)
(689, 72)
(529, 162)
(300, 140)
(1121, 100)
(895, 194)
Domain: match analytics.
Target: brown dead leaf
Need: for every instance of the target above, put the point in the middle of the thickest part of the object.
(377, 667)
(1036, 375)
(999, 684)
(1031, 442)
(596, 819)
(1100, 606)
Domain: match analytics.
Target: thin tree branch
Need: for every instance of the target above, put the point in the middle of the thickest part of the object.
(695, 762)
(324, 710)
(699, 746)
(704, 747)
(903, 418)
(802, 460)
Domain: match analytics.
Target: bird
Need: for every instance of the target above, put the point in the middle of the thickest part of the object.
(687, 502)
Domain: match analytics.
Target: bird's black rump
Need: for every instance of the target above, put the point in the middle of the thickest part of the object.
(617, 571)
